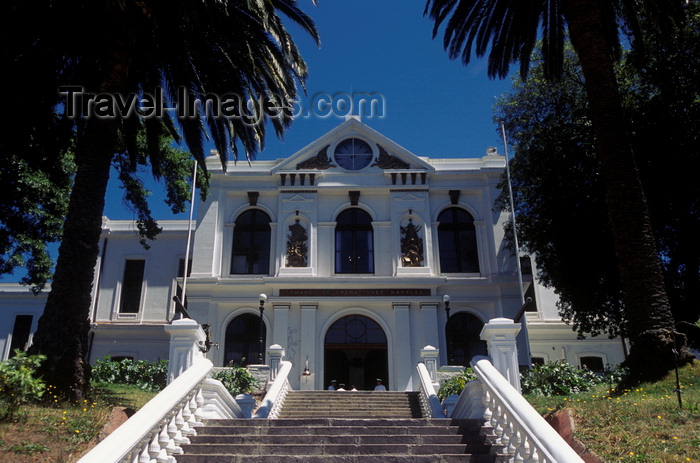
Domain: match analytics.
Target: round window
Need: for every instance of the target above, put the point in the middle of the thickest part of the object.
(353, 154)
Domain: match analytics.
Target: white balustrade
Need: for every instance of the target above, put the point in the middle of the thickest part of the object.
(428, 395)
(274, 399)
(157, 431)
(516, 426)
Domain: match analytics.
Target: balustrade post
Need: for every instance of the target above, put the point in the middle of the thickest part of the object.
(275, 353)
(153, 447)
(164, 441)
(430, 354)
(186, 344)
(499, 334)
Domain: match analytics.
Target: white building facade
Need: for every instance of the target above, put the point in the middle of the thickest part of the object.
(349, 246)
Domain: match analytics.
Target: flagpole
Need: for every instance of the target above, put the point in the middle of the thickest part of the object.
(512, 210)
(189, 234)
(521, 313)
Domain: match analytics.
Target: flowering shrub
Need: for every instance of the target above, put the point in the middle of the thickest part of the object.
(237, 380)
(562, 378)
(455, 384)
(17, 382)
(149, 376)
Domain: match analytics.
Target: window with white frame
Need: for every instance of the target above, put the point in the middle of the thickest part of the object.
(132, 284)
(457, 242)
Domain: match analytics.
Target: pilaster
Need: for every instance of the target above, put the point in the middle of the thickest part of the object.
(308, 345)
(402, 348)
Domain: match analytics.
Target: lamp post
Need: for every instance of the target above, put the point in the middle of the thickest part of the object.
(263, 298)
(448, 337)
(446, 300)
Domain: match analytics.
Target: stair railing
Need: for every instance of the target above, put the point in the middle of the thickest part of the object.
(427, 393)
(517, 426)
(156, 432)
(274, 399)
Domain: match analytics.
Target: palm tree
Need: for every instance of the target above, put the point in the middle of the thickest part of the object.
(508, 31)
(110, 47)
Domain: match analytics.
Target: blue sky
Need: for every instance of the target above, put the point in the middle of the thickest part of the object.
(434, 107)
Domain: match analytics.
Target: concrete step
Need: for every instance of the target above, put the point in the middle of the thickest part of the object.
(456, 458)
(344, 439)
(335, 440)
(330, 449)
(341, 427)
(299, 404)
(435, 423)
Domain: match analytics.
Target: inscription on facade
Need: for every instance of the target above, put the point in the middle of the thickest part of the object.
(380, 292)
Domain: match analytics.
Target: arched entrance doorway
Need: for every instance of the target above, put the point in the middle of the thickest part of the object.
(355, 352)
(463, 340)
(242, 340)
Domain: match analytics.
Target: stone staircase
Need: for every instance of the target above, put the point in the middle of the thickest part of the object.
(341, 427)
(346, 404)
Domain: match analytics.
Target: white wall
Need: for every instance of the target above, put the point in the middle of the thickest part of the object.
(15, 300)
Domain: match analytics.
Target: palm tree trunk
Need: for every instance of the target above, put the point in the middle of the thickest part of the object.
(63, 329)
(651, 326)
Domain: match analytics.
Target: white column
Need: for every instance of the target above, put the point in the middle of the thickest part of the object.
(186, 338)
(308, 346)
(499, 334)
(403, 368)
(325, 246)
(383, 257)
(431, 332)
(280, 323)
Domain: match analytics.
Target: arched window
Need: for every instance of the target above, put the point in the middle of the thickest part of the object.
(354, 242)
(251, 243)
(242, 341)
(463, 340)
(457, 242)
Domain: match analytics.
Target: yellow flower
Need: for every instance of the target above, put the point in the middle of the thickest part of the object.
(658, 416)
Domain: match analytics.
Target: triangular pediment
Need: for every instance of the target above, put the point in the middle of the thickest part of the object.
(318, 156)
(408, 197)
(297, 198)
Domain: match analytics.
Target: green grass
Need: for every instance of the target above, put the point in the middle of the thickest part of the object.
(60, 432)
(644, 424)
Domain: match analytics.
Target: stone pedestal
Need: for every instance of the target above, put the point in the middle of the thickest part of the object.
(430, 354)
(499, 334)
(186, 344)
(275, 353)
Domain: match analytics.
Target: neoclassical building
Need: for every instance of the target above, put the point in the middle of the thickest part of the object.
(359, 253)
